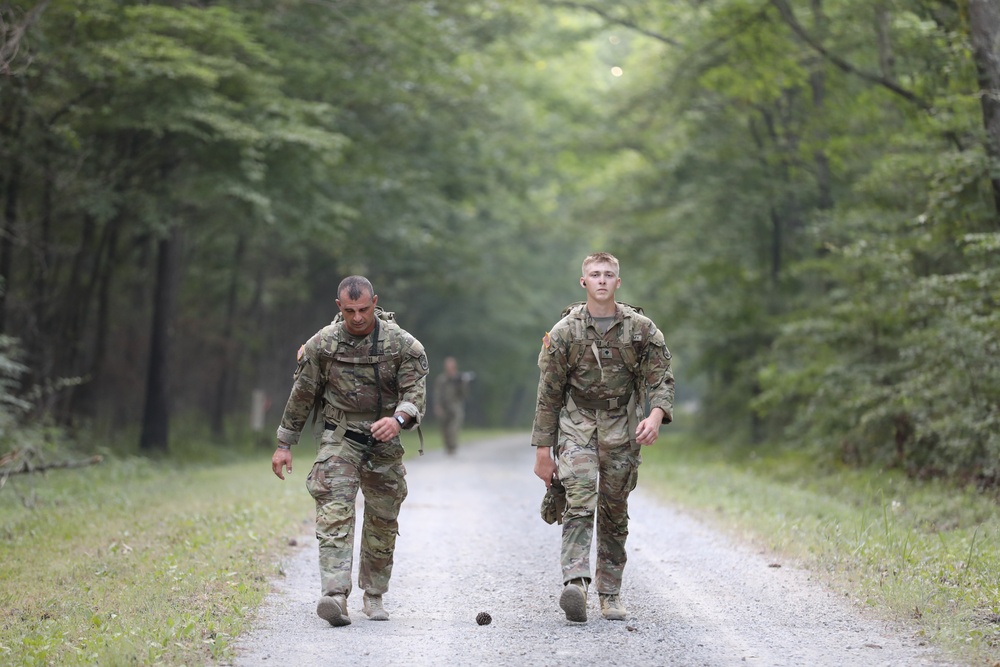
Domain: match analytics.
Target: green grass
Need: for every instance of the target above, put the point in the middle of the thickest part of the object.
(924, 553)
(131, 562)
(136, 562)
(142, 562)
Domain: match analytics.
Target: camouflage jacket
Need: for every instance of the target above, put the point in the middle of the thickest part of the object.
(449, 392)
(579, 365)
(340, 368)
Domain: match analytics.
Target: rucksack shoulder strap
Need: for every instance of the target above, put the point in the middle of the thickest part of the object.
(575, 315)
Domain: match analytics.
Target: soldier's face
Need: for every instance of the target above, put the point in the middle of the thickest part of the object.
(601, 280)
(359, 314)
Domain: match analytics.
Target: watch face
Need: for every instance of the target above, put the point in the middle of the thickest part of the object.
(400, 420)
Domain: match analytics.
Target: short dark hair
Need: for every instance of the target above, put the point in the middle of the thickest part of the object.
(355, 286)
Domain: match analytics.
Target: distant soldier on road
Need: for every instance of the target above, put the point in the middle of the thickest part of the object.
(367, 378)
(450, 391)
(600, 365)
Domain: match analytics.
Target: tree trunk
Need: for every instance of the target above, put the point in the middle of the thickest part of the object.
(777, 233)
(7, 238)
(886, 58)
(37, 335)
(85, 398)
(984, 27)
(817, 83)
(104, 300)
(156, 416)
(218, 417)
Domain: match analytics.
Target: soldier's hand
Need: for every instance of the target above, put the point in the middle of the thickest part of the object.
(386, 429)
(649, 428)
(282, 458)
(545, 466)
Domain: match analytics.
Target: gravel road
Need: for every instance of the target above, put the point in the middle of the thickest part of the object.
(471, 540)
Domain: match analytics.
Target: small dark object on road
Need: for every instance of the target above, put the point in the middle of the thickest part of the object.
(482, 618)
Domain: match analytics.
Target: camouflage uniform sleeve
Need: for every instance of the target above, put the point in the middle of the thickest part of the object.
(655, 369)
(553, 366)
(412, 382)
(303, 396)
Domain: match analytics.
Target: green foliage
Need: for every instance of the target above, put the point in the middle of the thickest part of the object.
(811, 221)
(280, 151)
(897, 364)
(799, 191)
(133, 563)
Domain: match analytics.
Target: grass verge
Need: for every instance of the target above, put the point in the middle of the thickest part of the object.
(139, 562)
(924, 553)
(131, 562)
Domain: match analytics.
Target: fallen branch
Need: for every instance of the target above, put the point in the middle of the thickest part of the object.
(28, 461)
(80, 463)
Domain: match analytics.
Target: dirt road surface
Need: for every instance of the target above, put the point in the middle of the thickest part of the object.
(472, 540)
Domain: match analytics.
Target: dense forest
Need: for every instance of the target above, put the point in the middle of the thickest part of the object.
(804, 194)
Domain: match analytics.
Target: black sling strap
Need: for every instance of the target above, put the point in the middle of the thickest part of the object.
(375, 353)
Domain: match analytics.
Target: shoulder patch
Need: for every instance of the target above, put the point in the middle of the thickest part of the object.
(416, 350)
(300, 353)
(546, 340)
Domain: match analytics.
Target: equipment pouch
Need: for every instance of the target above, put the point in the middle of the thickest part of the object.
(554, 503)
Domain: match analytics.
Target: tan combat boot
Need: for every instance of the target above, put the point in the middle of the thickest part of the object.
(333, 610)
(374, 609)
(573, 600)
(612, 607)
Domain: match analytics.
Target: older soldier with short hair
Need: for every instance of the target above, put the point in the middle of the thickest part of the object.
(600, 365)
(367, 378)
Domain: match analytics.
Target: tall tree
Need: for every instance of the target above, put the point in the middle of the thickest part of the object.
(984, 31)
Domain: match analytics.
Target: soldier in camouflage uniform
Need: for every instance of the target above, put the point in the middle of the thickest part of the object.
(367, 378)
(450, 389)
(600, 365)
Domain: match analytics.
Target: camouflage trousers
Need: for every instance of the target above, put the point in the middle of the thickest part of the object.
(451, 424)
(598, 479)
(334, 482)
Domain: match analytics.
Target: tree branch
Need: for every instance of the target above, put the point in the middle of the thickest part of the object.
(22, 458)
(625, 23)
(789, 17)
(13, 35)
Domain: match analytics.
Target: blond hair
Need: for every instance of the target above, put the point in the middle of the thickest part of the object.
(596, 257)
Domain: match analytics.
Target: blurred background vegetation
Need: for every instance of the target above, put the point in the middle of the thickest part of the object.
(804, 194)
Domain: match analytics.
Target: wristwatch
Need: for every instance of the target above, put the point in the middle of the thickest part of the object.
(399, 418)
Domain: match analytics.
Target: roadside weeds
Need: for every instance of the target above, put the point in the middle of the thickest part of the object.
(926, 554)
